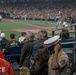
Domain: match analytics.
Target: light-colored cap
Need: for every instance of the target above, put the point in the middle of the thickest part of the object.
(52, 41)
(2, 35)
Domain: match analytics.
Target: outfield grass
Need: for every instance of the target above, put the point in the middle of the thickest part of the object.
(39, 22)
(12, 24)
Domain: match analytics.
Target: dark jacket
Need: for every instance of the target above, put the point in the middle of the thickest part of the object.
(40, 66)
(25, 54)
(3, 42)
(12, 43)
(35, 47)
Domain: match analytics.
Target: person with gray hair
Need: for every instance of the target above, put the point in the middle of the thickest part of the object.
(26, 51)
(42, 36)
(29, 35)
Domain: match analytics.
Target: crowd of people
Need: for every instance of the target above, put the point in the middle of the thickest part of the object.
(41, 55)
(43, 10)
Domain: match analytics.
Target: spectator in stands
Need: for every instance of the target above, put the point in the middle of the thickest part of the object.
(26, 51)
(40, 66)
(12, 42)
(64, 34)
(22, 38)
(42, 36)
(4, 41)
(58, 61)
(5, 67)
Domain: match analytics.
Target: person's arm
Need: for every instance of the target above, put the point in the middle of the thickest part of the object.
(23, 54)
(54, 63)
(61, 61)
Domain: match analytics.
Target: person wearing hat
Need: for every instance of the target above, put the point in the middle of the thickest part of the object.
(3, 41)
(58, 60)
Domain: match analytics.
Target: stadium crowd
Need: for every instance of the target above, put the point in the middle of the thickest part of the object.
(43, 10)
(41, 55)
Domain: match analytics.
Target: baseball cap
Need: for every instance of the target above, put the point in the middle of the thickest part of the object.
(2, 35)
(52, 41)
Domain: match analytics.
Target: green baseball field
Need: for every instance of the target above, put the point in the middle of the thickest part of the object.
(9, 26)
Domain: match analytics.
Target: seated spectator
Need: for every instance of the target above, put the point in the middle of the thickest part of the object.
(3, 41)
(12, 42)
(5, 67)
(64, 34)
(22, 38)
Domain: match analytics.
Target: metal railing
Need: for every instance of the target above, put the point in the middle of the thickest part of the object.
(53, 33)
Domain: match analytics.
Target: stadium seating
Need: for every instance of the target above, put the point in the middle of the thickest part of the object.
(13, 53)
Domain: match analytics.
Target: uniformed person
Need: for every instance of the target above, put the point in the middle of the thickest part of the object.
(58, 61)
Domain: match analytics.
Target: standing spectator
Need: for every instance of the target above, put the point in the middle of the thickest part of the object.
(5, 67)
(58, 61)
(40, 66)
(26, 52)
(22, 38)
(42, 36)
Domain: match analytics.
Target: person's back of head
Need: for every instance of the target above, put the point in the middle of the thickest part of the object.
(23, 33)
(64, 34)
(12, 36)
(43, 53)
(30, 35)
(42, 34)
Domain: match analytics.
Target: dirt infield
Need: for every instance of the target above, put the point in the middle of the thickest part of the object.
(35, 28)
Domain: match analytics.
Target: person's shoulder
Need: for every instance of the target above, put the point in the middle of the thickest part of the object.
(3, 60)
(63, 54)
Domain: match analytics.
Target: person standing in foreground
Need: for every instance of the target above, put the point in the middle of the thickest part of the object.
(58, 61)
(5, 67)
(24, 63)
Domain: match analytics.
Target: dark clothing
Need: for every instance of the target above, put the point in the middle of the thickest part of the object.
(64, 34)
(3, 42)
(35, 47)
(25, 54)
(12, 43)
(40, 66)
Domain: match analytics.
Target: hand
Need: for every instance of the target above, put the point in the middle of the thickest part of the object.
(57, 48)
